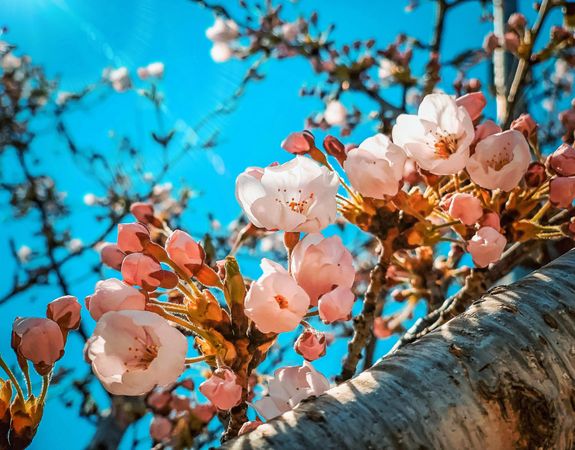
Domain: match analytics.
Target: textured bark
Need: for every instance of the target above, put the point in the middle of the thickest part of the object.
(501, 375)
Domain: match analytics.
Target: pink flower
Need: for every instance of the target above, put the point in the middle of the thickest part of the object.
(38, 340)
(111, 255)
(465, 207)
(375, 168)
(132, 352)
(221, 52)
(65, 311)
(335, 113)
(160, 428)
(275, 302)
(114, 295)
(159, 400)
(517, 20)
(223, 30)
(152, 70)
(500, 161)
(562, 191)
(289, 386)
(318, 264)
(249, 426)
(484, 129)
(143, 212)
(381, 329)
(562, 160)
(473, 103)
(486, 246)
(490, 43)
(336, 305)
(524, 124)
(490, 219)
(142, 270)
(311, 344)
(295, 196)
(185, 252)
(298, 143)
(131, 235)
(222, 390)
(438, 137)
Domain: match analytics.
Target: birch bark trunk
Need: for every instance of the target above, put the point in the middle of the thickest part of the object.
(502, 375)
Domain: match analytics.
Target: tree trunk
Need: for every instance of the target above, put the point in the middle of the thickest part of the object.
(502, 375)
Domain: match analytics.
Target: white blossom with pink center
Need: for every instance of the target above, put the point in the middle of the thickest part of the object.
(375, 168)
(275, 302)
(289, 386)
(500, 161)
(438, 137)
(298, 195)
(318, 264)
(134, 351)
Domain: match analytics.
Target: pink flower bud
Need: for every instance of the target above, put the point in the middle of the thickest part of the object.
(535, 175)
(381, 328)
(130, 237)
(38, 340)
(249, 426)
(142, 73)
(65, 311)
(490, 43)
(160, 428)
(511, 42)
(490, 219)
(335, 148)
(221, 389)
(298, 143)
(336, 305)
(486, 246)
(517, 21)
(112, 256)
(114, 295)
(142, 270)
(562, 191)
(562, 160)
(143, 212)
(524, 124)
(465, 207)
(159, 400)
(473, 103)
(185, 252)
(310, 344)
(180, 403)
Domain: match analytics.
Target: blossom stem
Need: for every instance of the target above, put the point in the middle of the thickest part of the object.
(45, 384)
(312, 314)
(537, 217)
(445, 225)
(196, 359)
(12, 377)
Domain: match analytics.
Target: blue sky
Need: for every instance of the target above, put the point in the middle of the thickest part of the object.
(76, 39)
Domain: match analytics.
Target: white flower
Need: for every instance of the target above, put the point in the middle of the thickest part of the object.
(296, 196)
(221, 52)
(75, 245)
(223, 30)
(375, 168)
(132, 352)
(120, 79)
(438, 137)
(90, 199)
(289, 386)
(335, 113)
(500, 161)
(24, 253)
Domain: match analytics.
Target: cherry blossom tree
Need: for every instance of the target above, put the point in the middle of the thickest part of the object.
(446, 200)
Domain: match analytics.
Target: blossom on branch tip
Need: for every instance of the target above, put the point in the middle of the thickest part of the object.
(288, 387)
(38, 340)
(464, 207)
(185, 252)
(222, 389)
(114, 295)
(275, 302)
(562, 191)
(311, 344)
(500, 161)
(562, 160)
(486, 246)
(375, 168)
(221, 52)
(111, 255)
(335, 113)
(438, 137)
(142, 270)
(152, 70)
(298, 196)
(65, 311)
(223, 30)
(132, 352)
(131, 236)
(298, 143)
(318, 264)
